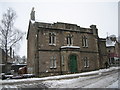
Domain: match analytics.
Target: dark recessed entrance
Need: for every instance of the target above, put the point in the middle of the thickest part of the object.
(73, 63)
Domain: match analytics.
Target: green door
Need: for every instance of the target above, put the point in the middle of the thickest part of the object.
(73, 63)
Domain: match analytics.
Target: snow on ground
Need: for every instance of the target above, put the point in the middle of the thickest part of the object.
(103, 81)
(93, 79)
(60, 76)
(114, 85)
(66, 83)
(96, 81)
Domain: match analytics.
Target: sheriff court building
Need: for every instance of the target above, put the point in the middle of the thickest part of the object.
(61, 48)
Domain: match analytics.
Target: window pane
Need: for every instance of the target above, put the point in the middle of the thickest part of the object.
(67, 40)
(87, 63)
(54, 63)
(83, 41)
(53, 39)
(62, 60)
(70, 39)
(84, 63)
(51, 62)
(86, 42)
(50, 38)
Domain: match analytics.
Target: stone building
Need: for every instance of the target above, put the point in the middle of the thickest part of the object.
(5, 66)
(102, 52)
(2, 62)
(59, 48)
(113, 50)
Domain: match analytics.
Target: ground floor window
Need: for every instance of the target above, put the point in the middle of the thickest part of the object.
(86, 62)
(53, 62)
(111, 61)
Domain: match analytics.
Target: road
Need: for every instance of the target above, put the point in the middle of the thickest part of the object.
(103, 80)
(108, 79)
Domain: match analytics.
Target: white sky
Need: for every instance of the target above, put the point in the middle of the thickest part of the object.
(103, 13)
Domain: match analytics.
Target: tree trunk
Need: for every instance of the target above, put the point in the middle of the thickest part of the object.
(6, 58)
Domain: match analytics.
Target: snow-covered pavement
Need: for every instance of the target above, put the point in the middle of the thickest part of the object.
(104, 78)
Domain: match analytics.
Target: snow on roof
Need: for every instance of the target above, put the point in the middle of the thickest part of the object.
(71, 47)
(113, 36)
(32, 21)
(109, 42)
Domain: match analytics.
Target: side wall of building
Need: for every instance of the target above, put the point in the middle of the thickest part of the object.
(103, 53)
(31, 49)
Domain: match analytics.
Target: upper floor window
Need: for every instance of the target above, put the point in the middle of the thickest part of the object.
(52, 39)
(53, 62)
(84, 41)
(69, 40)
(86, 62)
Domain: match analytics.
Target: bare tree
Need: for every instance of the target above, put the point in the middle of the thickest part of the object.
(9, 35)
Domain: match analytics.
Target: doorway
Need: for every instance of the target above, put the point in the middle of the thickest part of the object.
(73, 63)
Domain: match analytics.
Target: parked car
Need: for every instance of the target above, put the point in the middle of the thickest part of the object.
(17, 77)
(8, 76)
(2, 76)
(28, 75)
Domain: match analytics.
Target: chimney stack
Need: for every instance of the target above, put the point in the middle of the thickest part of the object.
(94, 29)
(32, 14)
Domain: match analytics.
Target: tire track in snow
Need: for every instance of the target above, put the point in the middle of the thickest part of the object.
(103, 82)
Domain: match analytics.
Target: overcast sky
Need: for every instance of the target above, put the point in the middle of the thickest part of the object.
(103, 13)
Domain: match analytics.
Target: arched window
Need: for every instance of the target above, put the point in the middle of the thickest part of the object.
(53, 62)
(86, 62)
(69, 40)
(84, 41)
(52, 39)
